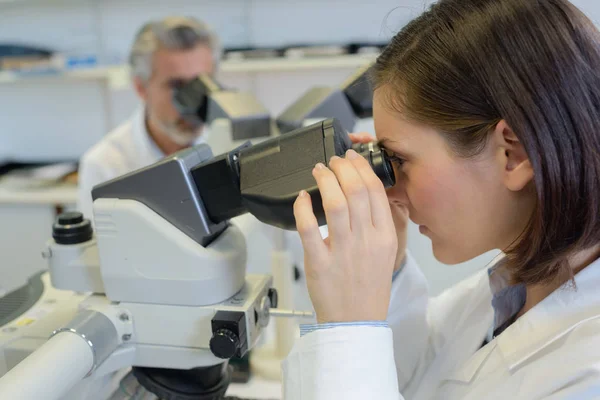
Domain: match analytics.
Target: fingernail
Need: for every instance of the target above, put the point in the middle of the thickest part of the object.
(351, 154)
(334, 158)
(302, 193)
(319, 166)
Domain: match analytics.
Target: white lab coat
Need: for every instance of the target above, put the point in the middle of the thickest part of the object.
(129, 147)
(432, 348)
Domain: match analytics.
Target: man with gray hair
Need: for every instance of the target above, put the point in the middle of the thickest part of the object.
(164, 55)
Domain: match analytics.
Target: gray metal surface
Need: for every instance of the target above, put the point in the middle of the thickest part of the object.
(19, 301)
(359, 92)
(249, 119)
(130, 389)
(318, 102)
(167, 187)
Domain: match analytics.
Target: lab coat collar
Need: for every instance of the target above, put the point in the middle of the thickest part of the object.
(551, 319)
(508, 299)
(148, 151)
(548, 321)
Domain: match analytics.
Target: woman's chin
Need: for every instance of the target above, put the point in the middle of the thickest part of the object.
(449, 256)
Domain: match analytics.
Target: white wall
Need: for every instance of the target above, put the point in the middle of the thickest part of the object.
(40, 111)
(107, 26)
(39, 120)
(590, 7)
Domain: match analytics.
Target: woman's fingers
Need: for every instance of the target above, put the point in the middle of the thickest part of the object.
(308, 227)
(334, 202)
(357, 195)
(361, 137)
(342, 282)
(381, 215)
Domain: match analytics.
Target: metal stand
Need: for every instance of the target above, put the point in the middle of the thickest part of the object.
(266, 361)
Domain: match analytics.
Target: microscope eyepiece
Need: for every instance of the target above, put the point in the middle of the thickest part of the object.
(191, 100)
(265, 179)
(379, 161)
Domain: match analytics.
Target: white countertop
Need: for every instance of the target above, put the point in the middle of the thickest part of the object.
(61, 194)
(118, 76)
(256, 388)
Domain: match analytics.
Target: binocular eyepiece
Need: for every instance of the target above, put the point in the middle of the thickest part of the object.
(265, 179)
(379, 161)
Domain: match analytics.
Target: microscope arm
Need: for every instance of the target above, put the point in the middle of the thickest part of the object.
(353, 99)
(198, 193)
(56, 367)
(70, 355)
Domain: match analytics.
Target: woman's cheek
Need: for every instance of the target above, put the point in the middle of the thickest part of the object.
(431, 193)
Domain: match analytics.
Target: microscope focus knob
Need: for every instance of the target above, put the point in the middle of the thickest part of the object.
(274, 297)
(224, 343)
(72, 228)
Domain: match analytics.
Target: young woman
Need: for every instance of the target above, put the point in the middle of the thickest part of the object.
(491, 109)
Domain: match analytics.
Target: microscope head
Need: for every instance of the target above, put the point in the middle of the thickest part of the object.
(266, 179)
(352, 100)
(359, 92)
(167, 187)
(198, 193)
(203, 100)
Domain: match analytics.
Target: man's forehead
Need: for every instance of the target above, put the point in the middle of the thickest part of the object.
(179, 63)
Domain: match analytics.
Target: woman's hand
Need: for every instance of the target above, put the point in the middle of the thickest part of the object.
(399, 210)
(349, 273)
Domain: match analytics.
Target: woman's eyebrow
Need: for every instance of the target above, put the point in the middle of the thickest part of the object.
(386, 142)
(382, 142)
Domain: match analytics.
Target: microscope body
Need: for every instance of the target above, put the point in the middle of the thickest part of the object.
(165, 295)
(167, 291)
(165, 258)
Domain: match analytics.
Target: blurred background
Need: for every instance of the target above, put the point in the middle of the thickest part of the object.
(64, 84)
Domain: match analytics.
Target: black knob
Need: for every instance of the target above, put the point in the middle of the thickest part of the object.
(297, 273)
(72, 228)
(273, 297)
(224, 343)
(70, 218)
(379, 161)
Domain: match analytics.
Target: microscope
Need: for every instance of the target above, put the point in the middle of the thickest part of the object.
(31, 308)
(351, 103)
(158, 288)
(351, 100)
(165, 272)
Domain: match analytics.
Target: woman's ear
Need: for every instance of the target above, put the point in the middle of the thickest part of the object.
(517, 169)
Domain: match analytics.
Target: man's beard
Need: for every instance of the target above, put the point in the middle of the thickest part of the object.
(179, 135)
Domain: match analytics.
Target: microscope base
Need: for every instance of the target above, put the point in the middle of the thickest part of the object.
(208, 383)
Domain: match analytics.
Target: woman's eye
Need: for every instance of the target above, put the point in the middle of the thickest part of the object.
(176, 83)
(396, 161)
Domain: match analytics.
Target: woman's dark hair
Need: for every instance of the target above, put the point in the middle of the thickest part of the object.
(465, 65)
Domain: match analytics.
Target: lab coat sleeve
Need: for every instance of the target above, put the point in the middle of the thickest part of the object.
(349, 362)
(407, 317)
(359, 362)
(91, 173)
(356, 362)
(421, 325)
